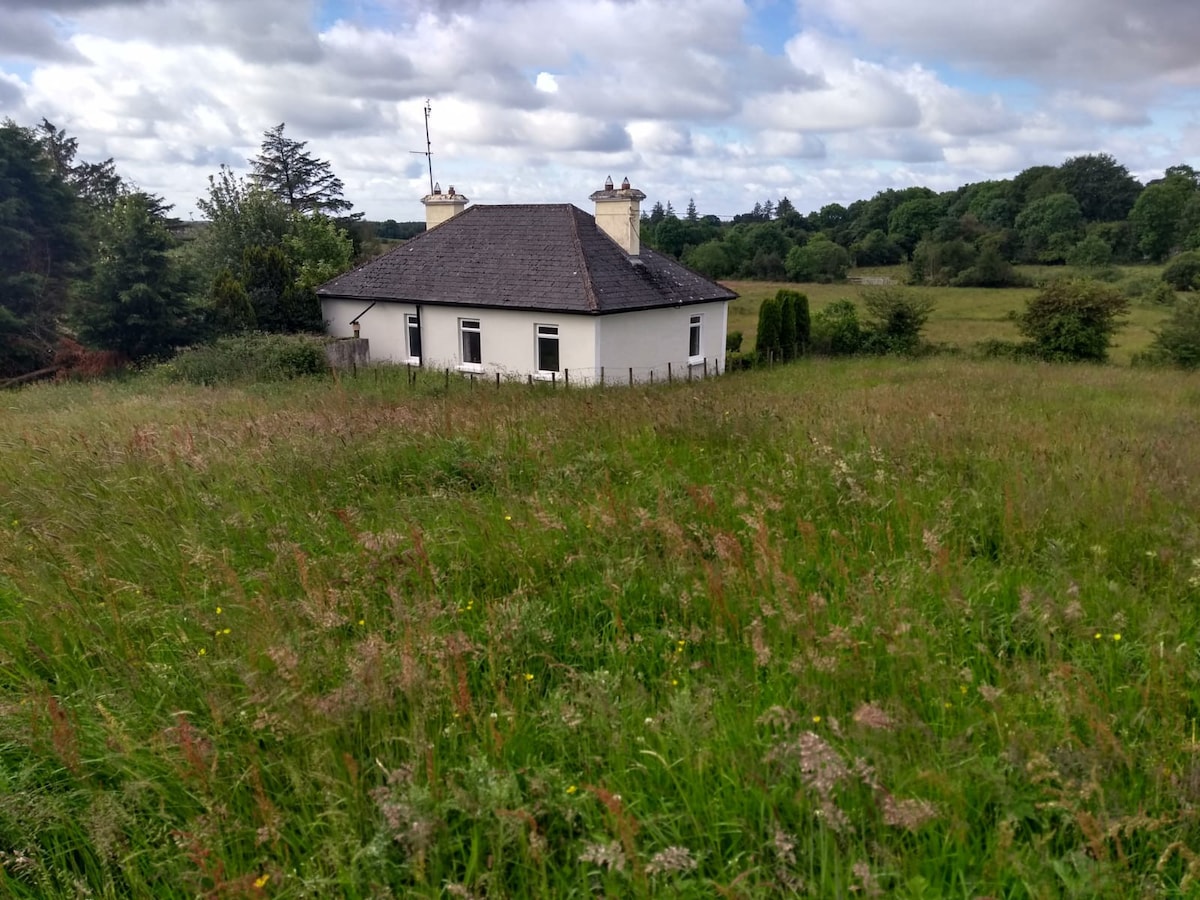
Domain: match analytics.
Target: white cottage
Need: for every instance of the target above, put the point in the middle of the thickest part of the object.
(546, 291)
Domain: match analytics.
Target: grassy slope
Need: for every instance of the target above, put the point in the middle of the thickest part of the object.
(929, 627)
(963, 316)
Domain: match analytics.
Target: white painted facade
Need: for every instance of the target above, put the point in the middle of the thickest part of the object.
(644, 340)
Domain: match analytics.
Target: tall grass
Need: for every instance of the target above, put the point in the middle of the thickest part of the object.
(915, 629)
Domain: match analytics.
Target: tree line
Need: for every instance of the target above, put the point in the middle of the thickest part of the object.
(89, 260)
(1087, 212)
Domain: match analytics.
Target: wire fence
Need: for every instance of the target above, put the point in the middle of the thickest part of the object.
(600, 376)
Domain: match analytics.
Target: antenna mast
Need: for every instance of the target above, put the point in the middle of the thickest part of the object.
(428, 152)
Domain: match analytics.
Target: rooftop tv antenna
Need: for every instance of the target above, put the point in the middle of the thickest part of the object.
(428, 151)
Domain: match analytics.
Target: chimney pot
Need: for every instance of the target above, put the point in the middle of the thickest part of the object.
(451, 190)
(625, 184)
(608, 183)
(437, 187)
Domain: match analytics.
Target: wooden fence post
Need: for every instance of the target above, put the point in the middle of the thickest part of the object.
(631, 376)
(670, 377)
(566, 378)
(602, 376)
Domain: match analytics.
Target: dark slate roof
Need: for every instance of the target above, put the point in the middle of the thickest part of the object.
(535, 257)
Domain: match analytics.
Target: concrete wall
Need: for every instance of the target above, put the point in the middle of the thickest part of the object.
(648, 339)
(348, 353)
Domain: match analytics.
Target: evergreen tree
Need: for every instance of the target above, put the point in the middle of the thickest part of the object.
(796, 323)
(232, 312)
(691, 215)
(280, 304)
(768, 340)
(136, 301)
(41, 247)
(303, 182)
(787, 324)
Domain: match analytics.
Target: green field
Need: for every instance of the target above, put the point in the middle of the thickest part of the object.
(840, 628)
(963, 316)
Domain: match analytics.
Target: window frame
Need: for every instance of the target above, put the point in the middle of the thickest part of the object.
(696, 330)
(412, 322)
(466, 327)
(552, 333)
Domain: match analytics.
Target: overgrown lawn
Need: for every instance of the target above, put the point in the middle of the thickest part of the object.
(844, 627)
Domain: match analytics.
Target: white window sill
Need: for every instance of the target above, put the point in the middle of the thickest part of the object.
(473, 368)
(413, 361)
(695, 360)
(547, 376)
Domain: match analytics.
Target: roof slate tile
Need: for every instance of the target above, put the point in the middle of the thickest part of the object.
(525, 256)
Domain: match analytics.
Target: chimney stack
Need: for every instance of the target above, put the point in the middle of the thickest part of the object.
(618, 213)
(439, 207)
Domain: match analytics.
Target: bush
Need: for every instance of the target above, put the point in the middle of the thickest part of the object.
(733, 342)
(835, 330)
(1179, 340)
(1183, 272)
(1162, 294)
(897, 317)
(1073, 319)
(249, 357)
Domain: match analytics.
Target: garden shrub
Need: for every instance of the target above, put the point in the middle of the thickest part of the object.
(248, 357)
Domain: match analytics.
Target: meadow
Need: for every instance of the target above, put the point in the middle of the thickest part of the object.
(866, 627)
(962, 317)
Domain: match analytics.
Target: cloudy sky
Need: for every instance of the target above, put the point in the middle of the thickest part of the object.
(726, 101)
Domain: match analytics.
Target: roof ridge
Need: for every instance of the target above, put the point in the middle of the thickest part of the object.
(589, 292)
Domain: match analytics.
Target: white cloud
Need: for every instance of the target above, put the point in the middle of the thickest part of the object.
(538, 100)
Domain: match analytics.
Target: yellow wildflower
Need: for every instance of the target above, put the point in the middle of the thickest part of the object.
(572, 789)
(261, 881)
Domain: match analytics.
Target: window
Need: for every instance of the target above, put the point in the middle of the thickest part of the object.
(547, 348)
(413, 324)
(472, 346)
(694, 340)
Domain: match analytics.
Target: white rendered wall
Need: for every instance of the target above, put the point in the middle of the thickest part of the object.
(508, 338)
(645, 340)
(648, 339)
(383, 325)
